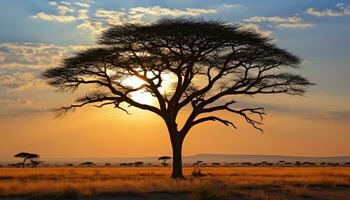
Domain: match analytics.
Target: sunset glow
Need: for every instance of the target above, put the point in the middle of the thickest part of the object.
(38, 35)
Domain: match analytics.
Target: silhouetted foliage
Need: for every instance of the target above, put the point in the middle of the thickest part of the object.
(87, 164)
(35, 163)
(32, 157)
(138, 164)
(213, 64)
(198, 163)
(164, 159)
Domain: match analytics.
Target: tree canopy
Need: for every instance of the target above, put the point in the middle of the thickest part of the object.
(211, 63)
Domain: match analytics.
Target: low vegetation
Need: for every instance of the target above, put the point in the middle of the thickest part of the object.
(217, 182)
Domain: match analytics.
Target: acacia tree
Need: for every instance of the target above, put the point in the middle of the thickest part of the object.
(212, 63)
(28, 156)
(164, 159)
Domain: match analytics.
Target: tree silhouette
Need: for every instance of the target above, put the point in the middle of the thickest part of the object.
(35, 162)
(164, 159)
(212, 65)
(28, 156)
(88, 164)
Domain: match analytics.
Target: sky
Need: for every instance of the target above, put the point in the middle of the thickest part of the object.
(36, 34)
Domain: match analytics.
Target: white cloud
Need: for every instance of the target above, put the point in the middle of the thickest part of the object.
(256, 28)
(33, 55)
(65, 3)
(58, 18)
(323, 13)
(53, 3)
(102, 18)
(274, 19)
(94, 27)
(21, 64)
(139, 15)
(228, 6)
(159, 11)
(84, 5)
(83, 14)
(340, 10)
(294, 25)
(112, 17)
(280, 22)
(64, 9)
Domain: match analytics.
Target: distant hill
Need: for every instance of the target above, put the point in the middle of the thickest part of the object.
(209, 158)
(261, 158)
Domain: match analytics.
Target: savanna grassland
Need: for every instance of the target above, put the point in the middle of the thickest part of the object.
(266, 183)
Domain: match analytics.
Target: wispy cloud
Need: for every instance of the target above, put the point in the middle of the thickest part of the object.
(11, 107)
(159, 11)
(340, 10)
(19, 79)
(101, 18)
(274, 19)
(34, 55)
(58, 18)
(280, 22)
(294, 25)
(66, 11)
(21, 63)
(229, 6)
(84, 5)
(256, 28)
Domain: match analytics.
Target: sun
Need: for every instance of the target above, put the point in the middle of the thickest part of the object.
(140, 96)
(143, 96)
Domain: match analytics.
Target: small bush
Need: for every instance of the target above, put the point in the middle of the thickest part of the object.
(197, 173)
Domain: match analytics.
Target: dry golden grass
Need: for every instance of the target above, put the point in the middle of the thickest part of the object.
(247, 182)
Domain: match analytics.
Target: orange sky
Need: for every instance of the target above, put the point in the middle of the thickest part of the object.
(106, 132)
(39, 34)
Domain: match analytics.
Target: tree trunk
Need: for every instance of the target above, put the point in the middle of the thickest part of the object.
(24, 162)
(176, 143)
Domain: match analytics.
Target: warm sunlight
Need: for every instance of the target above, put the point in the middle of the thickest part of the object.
(143, 96)
(180, 100)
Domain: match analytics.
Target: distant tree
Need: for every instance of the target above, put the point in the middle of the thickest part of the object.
(87, 164)
(108, 164)
(249, 163)
(215, 164)
(69, 165)
(32, 157)
(138, 164)
(164, 159)
(123, 164)
(198, 163)
(35, 163)
(213, 64)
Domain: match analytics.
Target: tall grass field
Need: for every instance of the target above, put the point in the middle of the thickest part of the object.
(268, 183)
